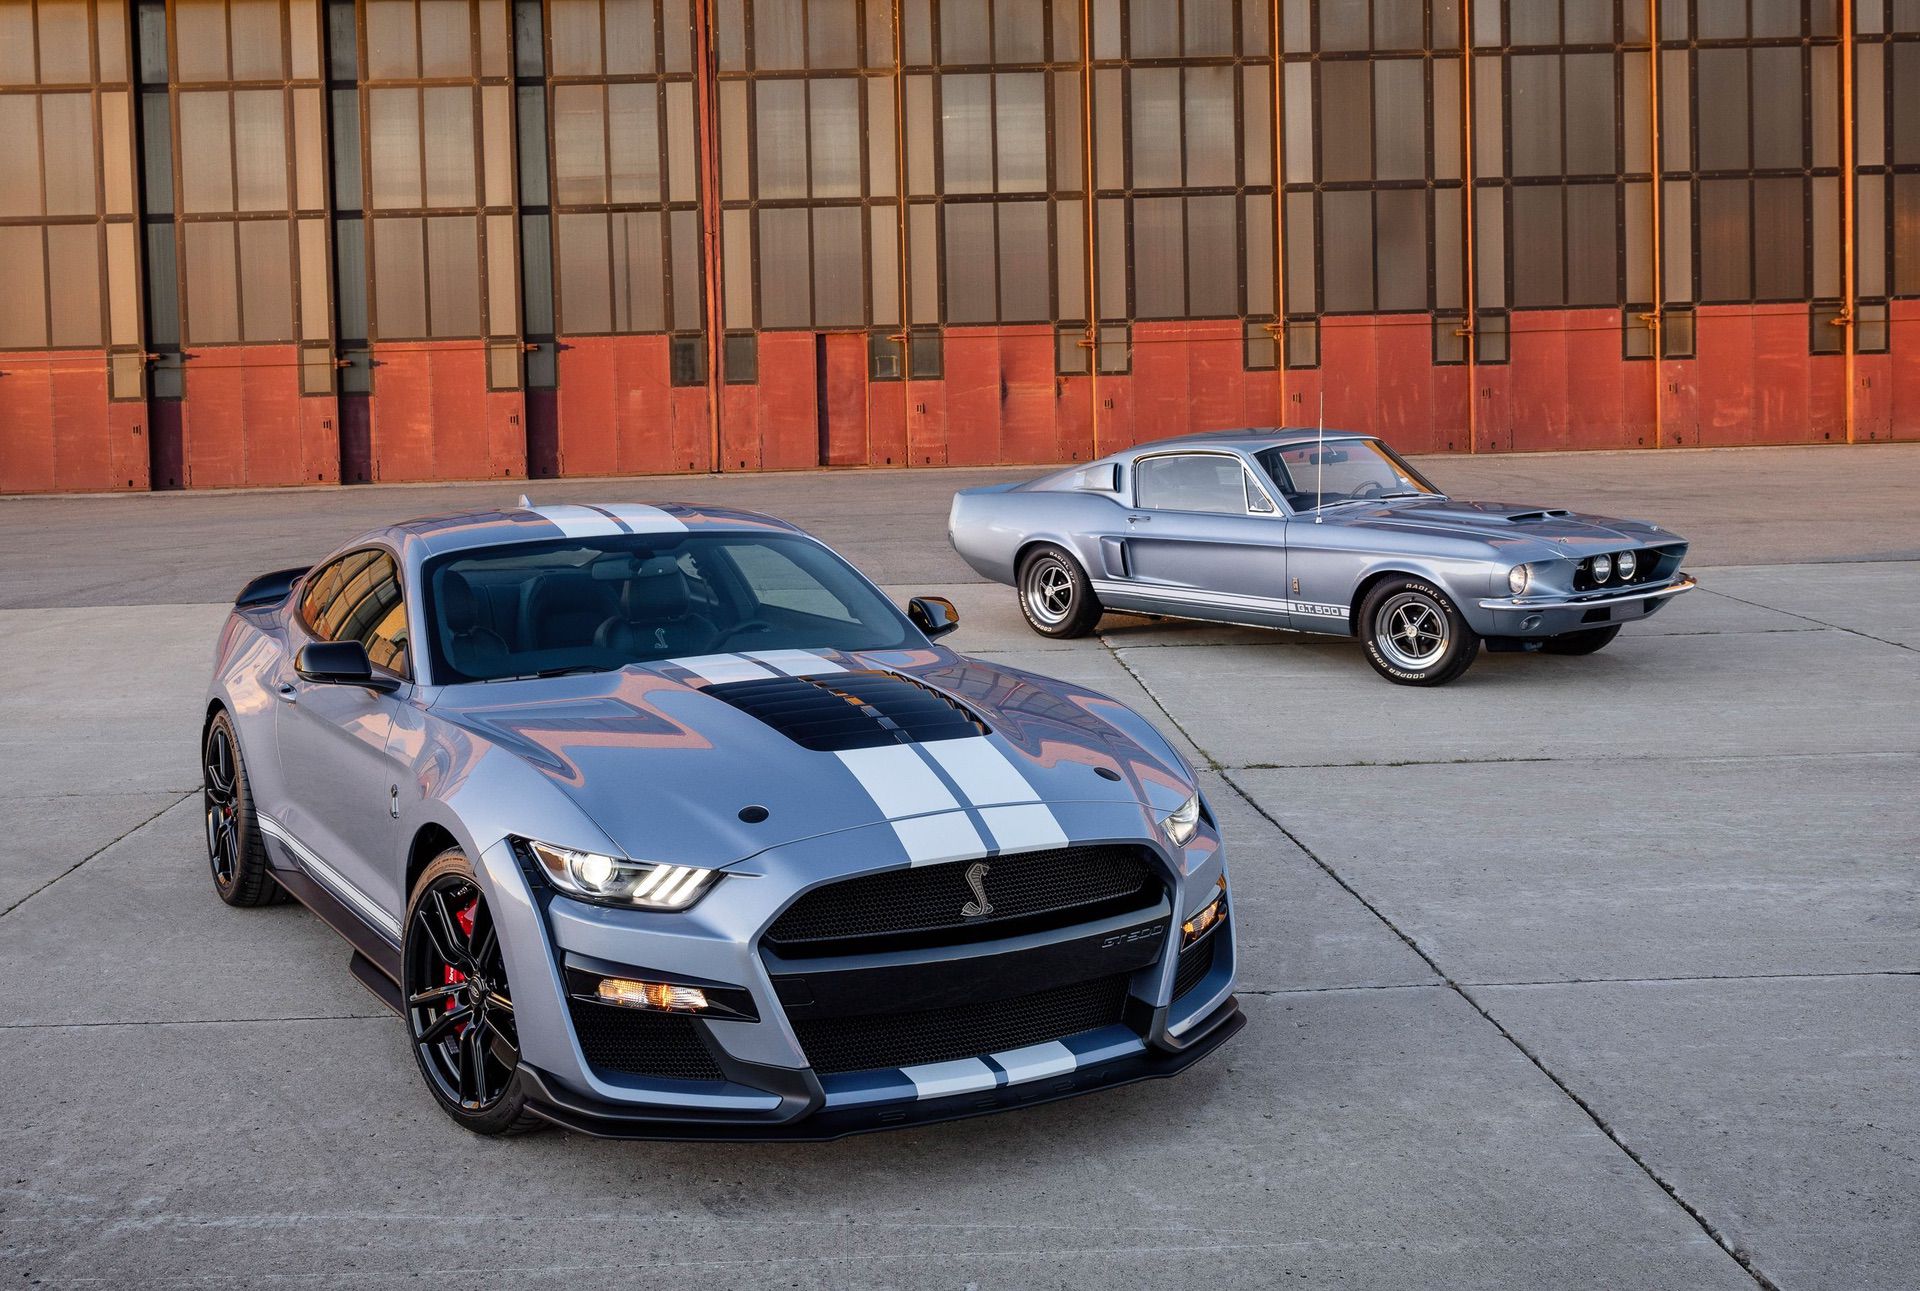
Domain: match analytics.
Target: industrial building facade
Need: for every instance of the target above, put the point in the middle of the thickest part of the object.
(271, 242)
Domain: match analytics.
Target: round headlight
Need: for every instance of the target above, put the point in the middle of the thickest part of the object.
(1626, 562)
(1518, 579)
(1602, 567)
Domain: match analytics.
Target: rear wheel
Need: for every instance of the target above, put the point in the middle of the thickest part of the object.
(1413, 634)
(1055, 594)
(235, 851)
(1580, 642)
(459, 1010)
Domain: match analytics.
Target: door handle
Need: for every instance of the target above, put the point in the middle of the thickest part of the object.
(1139, 519)
(287, 692)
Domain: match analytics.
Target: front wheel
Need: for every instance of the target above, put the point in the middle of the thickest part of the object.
(1414, 635)
(459, 1010)
(1055, 595)
(1580, 642)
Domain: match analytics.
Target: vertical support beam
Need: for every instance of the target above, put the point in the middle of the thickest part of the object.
(706, 107)
(1468, 228)
(1849, 306)
(1087, 211)
(1277, 92)
(903, 270)
(1654, 318)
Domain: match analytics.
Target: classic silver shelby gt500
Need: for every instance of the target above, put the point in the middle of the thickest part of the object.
(1318, 531)
(664, 821)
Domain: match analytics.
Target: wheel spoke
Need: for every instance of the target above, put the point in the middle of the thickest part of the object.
(438, 921)
(472, 1067)
(445, 1023)
(434, 994)
(505, 1049)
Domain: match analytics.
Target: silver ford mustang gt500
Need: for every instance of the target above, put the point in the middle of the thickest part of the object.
(1318, 531)
(662, 821)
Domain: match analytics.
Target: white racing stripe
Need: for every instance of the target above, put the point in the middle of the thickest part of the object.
(795, 663)
(330, 878)
(714, 669)
(944, 836)
(898, 780)
(983, 772)
(1218, 600)
(578, 522)
(642, 518)
(1036, 1062)
(937, 1079)
(1025, 828)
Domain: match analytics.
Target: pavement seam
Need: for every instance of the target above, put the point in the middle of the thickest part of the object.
(1739, 1256)
(1213, 763)
(1837, 627)
(189, 1022)
(96, 851)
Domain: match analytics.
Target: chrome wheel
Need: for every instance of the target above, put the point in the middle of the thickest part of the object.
(1410, 629)
(220, 795)
(458, 1008)
(1049, 591)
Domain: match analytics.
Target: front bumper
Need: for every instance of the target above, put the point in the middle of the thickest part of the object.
(807, 1115)
(1547, 616)
(765, 1085)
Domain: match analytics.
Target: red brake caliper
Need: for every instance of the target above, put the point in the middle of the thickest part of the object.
(464, 918)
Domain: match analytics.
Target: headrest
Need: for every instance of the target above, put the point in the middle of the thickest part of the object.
(657, 591)
(459, 603)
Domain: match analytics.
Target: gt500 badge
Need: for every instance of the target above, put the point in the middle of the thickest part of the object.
(1122, 938)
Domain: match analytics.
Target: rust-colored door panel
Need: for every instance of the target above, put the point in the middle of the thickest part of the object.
(840, 397)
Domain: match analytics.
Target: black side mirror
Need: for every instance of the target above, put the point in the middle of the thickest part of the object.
(933, 615)
(339, 663)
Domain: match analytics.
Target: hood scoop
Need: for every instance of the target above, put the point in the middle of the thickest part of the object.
(851, 710)
(1521, 517)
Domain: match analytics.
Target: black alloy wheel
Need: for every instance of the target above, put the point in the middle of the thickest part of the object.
(235, 852)
(459, 1010)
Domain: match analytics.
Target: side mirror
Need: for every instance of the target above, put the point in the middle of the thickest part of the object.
(339, 663)
(933, 615)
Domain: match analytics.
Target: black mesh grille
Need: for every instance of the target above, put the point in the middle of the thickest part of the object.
(942, 1035)
(642, 1044)
(925, 904)
(851, 710)
(1196, 961)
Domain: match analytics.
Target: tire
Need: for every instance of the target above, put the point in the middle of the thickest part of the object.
(235, 851)
(1055, 596)
(457, 1006)
(1413, 634)
(1580, 642)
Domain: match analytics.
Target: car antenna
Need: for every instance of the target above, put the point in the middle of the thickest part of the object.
(525, 503)
(1320, 459)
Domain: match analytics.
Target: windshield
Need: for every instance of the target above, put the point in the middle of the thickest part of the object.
(593, 605)
(1313, 475)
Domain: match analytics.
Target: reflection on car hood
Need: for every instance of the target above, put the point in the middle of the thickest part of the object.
(664, 769)
(1504, 521)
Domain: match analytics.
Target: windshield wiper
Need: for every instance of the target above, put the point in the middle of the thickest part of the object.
(567, 671)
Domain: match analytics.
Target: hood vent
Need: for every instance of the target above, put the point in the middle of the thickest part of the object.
(851, 710)
(1519, 517)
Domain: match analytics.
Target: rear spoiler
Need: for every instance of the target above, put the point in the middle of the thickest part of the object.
(269, 589)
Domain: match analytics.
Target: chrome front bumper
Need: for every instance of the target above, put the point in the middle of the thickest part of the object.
(1591, 600)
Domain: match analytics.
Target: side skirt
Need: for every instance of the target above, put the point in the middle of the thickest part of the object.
(370, 948)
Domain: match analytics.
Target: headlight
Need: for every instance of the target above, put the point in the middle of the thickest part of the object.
(613, 880)
(1179, 827)
(1519, 578)
(1626, 562)
(1602, 567)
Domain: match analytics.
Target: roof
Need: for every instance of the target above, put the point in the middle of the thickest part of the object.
(431, 535)
(1249, 437)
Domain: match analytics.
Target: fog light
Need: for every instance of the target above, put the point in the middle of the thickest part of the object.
(1626, 562)
(1602, 567)
(1209, 917)
(661, 996)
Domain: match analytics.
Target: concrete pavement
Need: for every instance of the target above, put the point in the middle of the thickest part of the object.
(1582, 972)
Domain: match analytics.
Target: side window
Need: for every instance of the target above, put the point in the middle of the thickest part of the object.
(357, 598)
(1257, 500)
(1193, 482)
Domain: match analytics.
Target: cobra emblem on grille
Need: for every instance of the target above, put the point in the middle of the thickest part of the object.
(979, 907)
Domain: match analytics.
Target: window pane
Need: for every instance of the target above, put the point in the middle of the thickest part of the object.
(1159, 258)
(883, 246)
(584, 301)
(1724, 262)
(579, 144)
(73, 267)
(1207, 28)
(1020, 113)
(1592, 245)
(350, 277)
(536, 274)
(1155, 135)
(966, 125)
(1539, 253)
(393, 130)
(1780, 225)
(1535, 87)
(1347, 235)
(19, 164)
(1590, 114)
(629, 43)
(23, 285)
(834, 110)
(1153, 29)
(573, 32)
(449, 146)
(206, 169)
(970, 263)
(779, 34)
(1024, 270)
(256, 38)
(633, 143)
(213, 295)
(392, 48)
(1398, 25)
(780, 123)
(1399, 102)
(1211, 150)
(1070, 259)
(260, 150)
(1779, 128)
(1257, 146)
(1019, 31)
(1343, 24)
(200, 40)
(1213, 268)
(839, 267)
(1200, 482)
(923, 265)
(453, 275)
(1722, 100)
(446, 38)
(881, 160)
(1346, 123)
(1402, 250)
(833, 38)
(399, 279)
(266, 281)
(785, 288)
(66, 125)
(639, 277)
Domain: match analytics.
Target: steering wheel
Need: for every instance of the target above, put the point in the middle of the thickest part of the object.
(738, 629)
(1372, 488)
